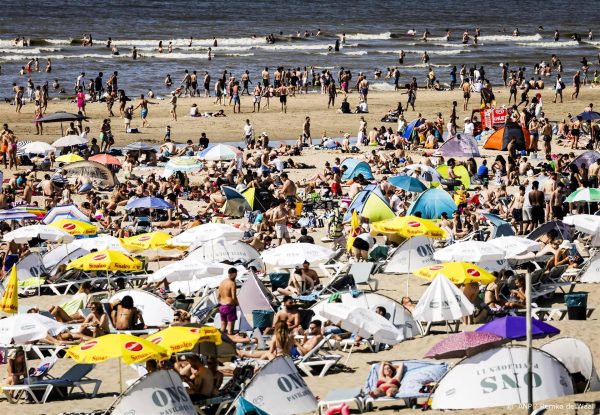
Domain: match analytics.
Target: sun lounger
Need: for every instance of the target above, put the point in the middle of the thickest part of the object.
(333, 266)
(316, 357)
(74, 378)
(361, 272)
(417, 374)
(552, 313)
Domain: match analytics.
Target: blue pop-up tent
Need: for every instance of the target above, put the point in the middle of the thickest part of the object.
(432, 203)
(370, 203)
(356, 167)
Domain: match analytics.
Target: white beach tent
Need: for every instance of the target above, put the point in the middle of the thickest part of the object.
(395, 312)
(496, 377)
(160, 392)
(442, 301)
(411, 255)
(577, 358)
(591, 274)
(154, 310)
(279, 389)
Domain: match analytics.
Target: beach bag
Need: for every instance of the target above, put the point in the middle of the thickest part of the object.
(279, 279)
(262, 318)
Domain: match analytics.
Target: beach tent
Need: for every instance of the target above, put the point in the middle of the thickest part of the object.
(235, 203)
(563, 230)
(370, 203)
(459, 146)
(356, 167)
(395, 312)
(588, 158)
(410, 256)
(592, 270)
(154, 310)
(577, 358)
(432, 203)
(100, 175)
(254, 296)
(500, 227)
(65, 212)
(258, 198)
(461, 173)
(277, 388)
(496, 377)
(500, 139)
(411, 127)
(442, 301)
(160, 392)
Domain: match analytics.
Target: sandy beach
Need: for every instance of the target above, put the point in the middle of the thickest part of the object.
(288, 126)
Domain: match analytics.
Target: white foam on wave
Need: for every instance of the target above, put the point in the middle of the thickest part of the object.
(568, 44)
(426, 65)
(356, 53)
(438, 52)
(510, 38)
(30, 51)
(382, 86)
(58, 41)
(242, 41)
(368, 36)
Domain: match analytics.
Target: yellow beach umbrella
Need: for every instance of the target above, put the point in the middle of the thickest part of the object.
(457, 272)
(178, 339)
(106, 260)
(75, 227)
(69, 158)
(148, 241)
(409, 226)
(9, 304)
(130, 348)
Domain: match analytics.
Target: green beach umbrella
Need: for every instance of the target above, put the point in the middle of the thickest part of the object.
(584, 195)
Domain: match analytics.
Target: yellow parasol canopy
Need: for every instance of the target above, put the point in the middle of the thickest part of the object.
(457, 272)
(106, 260)
(178, 339)
(409, 226)
(10, 299)
(130, 348)
(75, 227)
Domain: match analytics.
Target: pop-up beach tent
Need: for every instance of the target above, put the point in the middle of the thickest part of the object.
(577, 358)
(371, 204)
(277, 388)
(356, 167)
(235, 203)
(588, 158)
(160, 392)
(432, 203)
(497, 377)
(500, 139)
(154, 310)
(259, 198)
(459, 146)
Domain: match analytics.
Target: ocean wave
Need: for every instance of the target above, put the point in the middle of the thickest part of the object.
(437, 52)
(368, 36)
(509, 38)
(567, 44)
(59, 41)
(30, 51)
(425, 65)
(356, 53)
(382, 86)
(243, 41)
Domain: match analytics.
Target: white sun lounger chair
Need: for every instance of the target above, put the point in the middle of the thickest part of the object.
(316, 357)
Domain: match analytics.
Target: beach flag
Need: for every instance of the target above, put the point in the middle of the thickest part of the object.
(10, 300)
(355, 226)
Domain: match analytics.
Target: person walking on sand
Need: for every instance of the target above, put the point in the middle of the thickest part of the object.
(143, 105)
(466, 87)
(558, 88)
(235, 96)
(576, 85)
(173, 103)
(256, 99)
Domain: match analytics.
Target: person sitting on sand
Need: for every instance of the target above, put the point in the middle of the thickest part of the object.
(125, 316)
(16, 367)
(69, 312)
(388, 381)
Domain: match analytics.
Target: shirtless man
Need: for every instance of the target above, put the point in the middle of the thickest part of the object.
(556, 202)
(548, 188)
(143, 104)
(235, 96)
(125, 316)
(364, 89)
(516, 209)
(288, 313)
(306, 138)
(288, 190)
(283, 98)
(536, 198)
(280, 219)
(466, 88)
(202, 380)
(227, 297)
(265, 77)
(310, 273)
(49, 191)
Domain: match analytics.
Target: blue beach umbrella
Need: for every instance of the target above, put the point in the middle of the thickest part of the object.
(408, 183)
(149, 202)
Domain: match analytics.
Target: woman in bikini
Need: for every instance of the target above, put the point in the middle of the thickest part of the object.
(96, 323)
(388, 381)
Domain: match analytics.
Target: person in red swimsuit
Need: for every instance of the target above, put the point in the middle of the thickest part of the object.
(388, 382)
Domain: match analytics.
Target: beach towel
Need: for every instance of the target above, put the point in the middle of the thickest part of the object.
(417, 373)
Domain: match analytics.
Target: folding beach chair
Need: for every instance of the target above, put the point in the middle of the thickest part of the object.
(316, 357)
(361, 273)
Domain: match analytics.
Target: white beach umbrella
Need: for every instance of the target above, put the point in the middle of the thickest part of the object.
(515, 245)
(589, 224)
(206, 232)
(363, 322)
(442, 301)
(289, 255)
(38, 147)
(220, 152)
(69, 140)
(189, 269)
(469, 251)
(231, 252)
(23, 328)
(47, 233)
(427, 173)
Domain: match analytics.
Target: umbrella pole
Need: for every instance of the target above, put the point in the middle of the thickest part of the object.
(120, 378)
(408, 274)
(529, 378)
